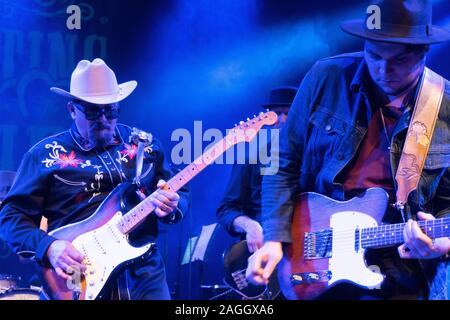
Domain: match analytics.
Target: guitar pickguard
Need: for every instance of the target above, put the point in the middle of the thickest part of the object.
(105, 249)
(347, 261)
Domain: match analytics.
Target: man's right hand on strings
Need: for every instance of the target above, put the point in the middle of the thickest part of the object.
(262, 263)
(65, 259)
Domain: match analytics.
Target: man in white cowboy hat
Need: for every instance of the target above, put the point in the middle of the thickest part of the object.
(344, 134)
(66, 176)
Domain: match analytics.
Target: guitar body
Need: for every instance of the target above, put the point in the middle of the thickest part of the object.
(325, 246)
(235, 260)
(106, 249)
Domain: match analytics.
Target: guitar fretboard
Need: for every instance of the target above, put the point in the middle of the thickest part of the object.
(185, 175)
(391, 234)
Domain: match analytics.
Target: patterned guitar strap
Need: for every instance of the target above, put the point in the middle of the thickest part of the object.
(418, 137)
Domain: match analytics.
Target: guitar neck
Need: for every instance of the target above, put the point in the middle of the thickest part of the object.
(185, 175)
(245, 131)
(135, 216)
(392, 234)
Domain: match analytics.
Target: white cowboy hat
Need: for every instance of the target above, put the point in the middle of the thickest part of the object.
(95, 82)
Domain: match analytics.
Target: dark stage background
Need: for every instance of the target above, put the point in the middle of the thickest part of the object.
(208, 60)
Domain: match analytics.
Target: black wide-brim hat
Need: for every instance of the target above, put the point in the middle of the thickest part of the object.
(281, 97)
(401, 21)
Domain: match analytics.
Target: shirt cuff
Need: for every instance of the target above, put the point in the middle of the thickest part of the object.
(41, 252)
(173, 218)
(232, 215)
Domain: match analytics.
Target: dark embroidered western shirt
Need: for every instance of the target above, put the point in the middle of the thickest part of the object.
(64, 180)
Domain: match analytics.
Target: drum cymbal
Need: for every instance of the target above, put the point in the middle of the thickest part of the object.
(20, 294)
(8, 281)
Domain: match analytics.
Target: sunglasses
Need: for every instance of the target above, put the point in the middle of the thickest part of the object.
(111, 111)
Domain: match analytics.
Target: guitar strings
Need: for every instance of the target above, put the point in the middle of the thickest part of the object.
(388, 232)
(389, 229)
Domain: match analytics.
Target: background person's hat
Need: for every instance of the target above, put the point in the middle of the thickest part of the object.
(281, 97)
(95, 82)
(402, 21)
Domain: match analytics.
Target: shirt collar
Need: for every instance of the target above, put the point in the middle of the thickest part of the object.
(360, 79)
(84, 144)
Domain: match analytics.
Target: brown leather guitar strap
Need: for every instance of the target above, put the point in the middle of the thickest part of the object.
(419, 136)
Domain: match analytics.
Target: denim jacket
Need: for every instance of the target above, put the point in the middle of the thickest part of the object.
(327, 122)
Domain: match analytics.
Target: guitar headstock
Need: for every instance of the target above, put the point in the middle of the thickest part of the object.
(246, 131)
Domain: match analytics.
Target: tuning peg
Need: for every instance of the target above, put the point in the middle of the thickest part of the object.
(241, 122)
(261, 113)
(254, 116)
(248, 119)
(235, 124)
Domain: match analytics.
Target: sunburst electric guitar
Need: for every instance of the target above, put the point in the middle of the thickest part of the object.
(329, 239)
(103, 237)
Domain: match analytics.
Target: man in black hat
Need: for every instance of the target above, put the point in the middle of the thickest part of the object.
(240, 209)
(345, 133)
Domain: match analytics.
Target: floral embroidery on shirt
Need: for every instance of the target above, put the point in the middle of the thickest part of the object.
(54, 154)
(68, 160)
(131, 148)
(63, 160)
(95, 186)
(129, 151)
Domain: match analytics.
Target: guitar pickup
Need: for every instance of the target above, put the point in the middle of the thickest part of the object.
(310, 277)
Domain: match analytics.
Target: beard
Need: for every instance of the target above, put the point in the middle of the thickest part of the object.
(398, 90)
(100, 135)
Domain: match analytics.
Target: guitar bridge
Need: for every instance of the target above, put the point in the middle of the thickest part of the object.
(239, 279)
(318, 245)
